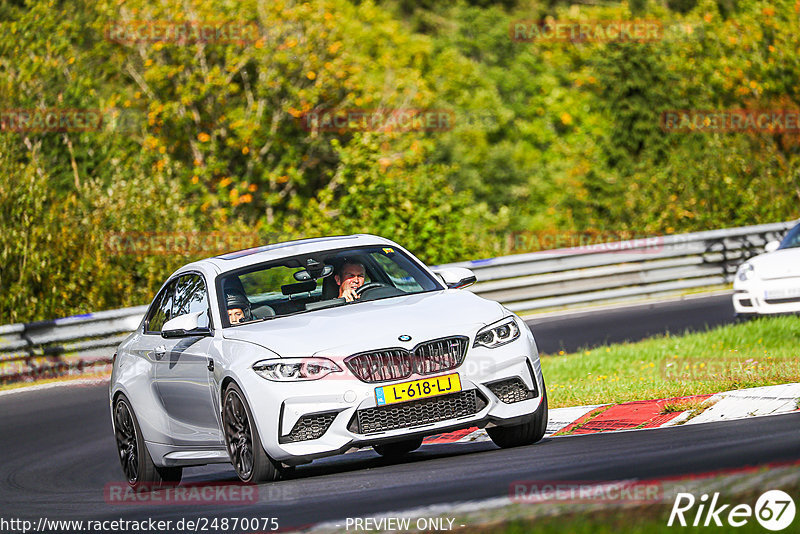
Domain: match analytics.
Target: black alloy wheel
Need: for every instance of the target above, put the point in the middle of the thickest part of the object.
(126, 441)
(140, 471)
(248, 457)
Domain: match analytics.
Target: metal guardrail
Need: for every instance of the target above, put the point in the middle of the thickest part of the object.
(608, 272)
(620, 271)
(72, 345)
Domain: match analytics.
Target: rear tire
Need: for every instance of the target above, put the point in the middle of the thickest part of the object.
(247, 455)
(138, 466)
(525, 434)
(398, 449)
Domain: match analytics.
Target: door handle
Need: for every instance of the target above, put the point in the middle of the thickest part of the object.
(211, 365)
(160, 351)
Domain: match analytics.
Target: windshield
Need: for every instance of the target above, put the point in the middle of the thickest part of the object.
(310, 282)
(792, 239)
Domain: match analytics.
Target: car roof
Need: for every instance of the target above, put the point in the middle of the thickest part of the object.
(251, 256)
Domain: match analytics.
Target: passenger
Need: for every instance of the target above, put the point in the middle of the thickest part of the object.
(238, 308)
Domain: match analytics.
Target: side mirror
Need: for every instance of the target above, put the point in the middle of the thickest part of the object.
(772, 246)
(185, 325)
(456, 277)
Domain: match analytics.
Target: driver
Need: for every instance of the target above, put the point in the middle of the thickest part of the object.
(349, 277)
(238, 308)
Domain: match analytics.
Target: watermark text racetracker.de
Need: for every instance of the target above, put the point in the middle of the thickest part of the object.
(538, 491)
(64, 120)
(531, 31)
(390, 119)
(729, 368)
(184, 243)
(583, 242)
(164, 31)
(235, 494)
(735, 120)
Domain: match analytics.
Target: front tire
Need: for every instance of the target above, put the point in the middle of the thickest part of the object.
(138, 466)
(525, 434)
(398, 449)
(248, 457)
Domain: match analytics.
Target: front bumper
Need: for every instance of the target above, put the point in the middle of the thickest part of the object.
(277, 407)
(757, 296)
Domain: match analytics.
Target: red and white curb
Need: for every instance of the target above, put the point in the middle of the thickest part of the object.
(725, 406)
(738, 404)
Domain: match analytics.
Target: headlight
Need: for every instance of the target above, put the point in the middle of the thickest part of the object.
(745, 272)
(497, 334)
(295, 369)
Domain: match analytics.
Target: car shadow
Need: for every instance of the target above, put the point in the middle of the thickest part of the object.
(362, 459)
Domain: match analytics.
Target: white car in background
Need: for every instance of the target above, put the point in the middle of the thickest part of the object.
(770, 283)
(253, 358)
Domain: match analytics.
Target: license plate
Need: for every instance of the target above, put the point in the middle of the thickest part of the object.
(418, 389)
(783, 293)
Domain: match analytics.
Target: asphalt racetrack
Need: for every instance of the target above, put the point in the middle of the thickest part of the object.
(58, 453)
(575, 331)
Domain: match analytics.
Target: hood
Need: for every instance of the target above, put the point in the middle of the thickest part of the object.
(783, 263)
(362, 326)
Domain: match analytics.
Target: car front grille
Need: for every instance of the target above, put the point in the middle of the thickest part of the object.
(427, 358)
(511, 390)
(415, 413)
(440, 354)
(381, 365)
(311, 426)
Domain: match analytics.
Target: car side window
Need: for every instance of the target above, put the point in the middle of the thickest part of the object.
(190, 297)
(161, 312)
(792, 239)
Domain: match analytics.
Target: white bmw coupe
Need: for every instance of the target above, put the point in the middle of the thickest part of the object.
(770, 283)
(272, 357)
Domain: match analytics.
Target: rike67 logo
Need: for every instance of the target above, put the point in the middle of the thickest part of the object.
(774, 510)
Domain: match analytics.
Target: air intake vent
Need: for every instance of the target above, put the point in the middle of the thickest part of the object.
(511, 390)
(311, 426)
(415, 413)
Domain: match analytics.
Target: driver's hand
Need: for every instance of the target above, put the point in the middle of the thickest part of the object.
(349, 293)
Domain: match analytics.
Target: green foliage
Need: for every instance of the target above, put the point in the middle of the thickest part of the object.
(55, 248)
(401, 198)
(210, 136)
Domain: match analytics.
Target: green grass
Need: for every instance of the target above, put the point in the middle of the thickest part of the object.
(682, 405)
(761, 352)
